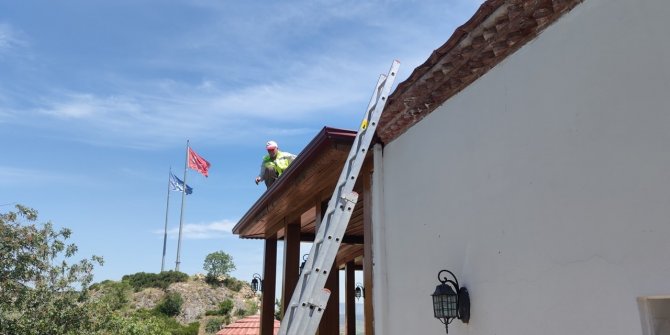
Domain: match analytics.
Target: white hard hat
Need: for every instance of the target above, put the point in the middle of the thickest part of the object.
(271, 145)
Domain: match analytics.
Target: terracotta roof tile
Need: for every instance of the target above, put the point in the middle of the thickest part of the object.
(496, 30)
(250, 325)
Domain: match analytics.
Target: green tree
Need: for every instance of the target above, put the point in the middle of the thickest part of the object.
(278, 310)
(41, 291)
(218, 264)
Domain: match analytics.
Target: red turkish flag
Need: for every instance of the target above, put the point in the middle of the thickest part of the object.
(197, 163)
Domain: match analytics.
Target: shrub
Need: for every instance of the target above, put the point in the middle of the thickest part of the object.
(146, 322)
(115, 295)
(212, 280)
(225, 307)
(213, 325)
(233, 284)
(135, 325)
(250, 308)
(142, 280)
(170, 305)
(97, 286)
(191, 329)
(171, 277)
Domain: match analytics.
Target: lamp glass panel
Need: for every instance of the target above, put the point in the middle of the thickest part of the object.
(449, 305)
(445, 302)
(437, 307)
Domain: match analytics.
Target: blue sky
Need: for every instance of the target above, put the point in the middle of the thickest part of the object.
(98, 98)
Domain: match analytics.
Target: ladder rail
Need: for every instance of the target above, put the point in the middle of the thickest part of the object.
(341, 183)
(310, 297)
(330, 211)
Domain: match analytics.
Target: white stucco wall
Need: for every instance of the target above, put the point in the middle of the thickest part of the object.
(544, 186)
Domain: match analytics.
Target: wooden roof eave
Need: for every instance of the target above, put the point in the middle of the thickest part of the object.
(266, 216)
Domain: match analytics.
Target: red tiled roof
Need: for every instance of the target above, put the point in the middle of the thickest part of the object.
(498, 28)
(251, 325)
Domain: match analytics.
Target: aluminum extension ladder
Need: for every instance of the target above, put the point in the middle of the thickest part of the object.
(310, 296)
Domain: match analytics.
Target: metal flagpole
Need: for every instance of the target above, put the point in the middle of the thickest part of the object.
(181, 215)
(167, 206)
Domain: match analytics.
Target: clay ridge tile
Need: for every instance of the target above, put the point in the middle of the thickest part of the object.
(496, 30)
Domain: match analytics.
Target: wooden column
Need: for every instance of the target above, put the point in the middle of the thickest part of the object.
(321, 208)
(349, 298)
(367, 249)
(291, 261)
(330, 321)
(269, 283)
(325, 326)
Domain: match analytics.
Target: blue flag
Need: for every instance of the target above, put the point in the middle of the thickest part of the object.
(177, 184)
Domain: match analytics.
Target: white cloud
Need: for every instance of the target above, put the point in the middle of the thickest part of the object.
(10, 38)
(37, 178)
(317, 88)
(22, 176)
(82, 106)
(5, 114)
(200, 231)
(152, 112)
(290, 65)
(10, 173)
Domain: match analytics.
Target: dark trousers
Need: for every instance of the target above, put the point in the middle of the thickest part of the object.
(270, 176)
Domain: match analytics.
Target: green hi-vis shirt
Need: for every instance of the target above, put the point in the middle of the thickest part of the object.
(279, 164)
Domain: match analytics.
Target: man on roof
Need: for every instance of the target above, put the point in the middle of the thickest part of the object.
(274, 164)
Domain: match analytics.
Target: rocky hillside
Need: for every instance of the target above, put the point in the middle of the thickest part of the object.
(175, 301)
(199, 297)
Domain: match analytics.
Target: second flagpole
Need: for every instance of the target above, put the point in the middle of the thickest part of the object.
(181, 215)
(167, 207)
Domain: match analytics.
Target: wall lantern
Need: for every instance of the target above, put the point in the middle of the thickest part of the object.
(359, 291)
(450, 301)
(302, 265)
(257, 283)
